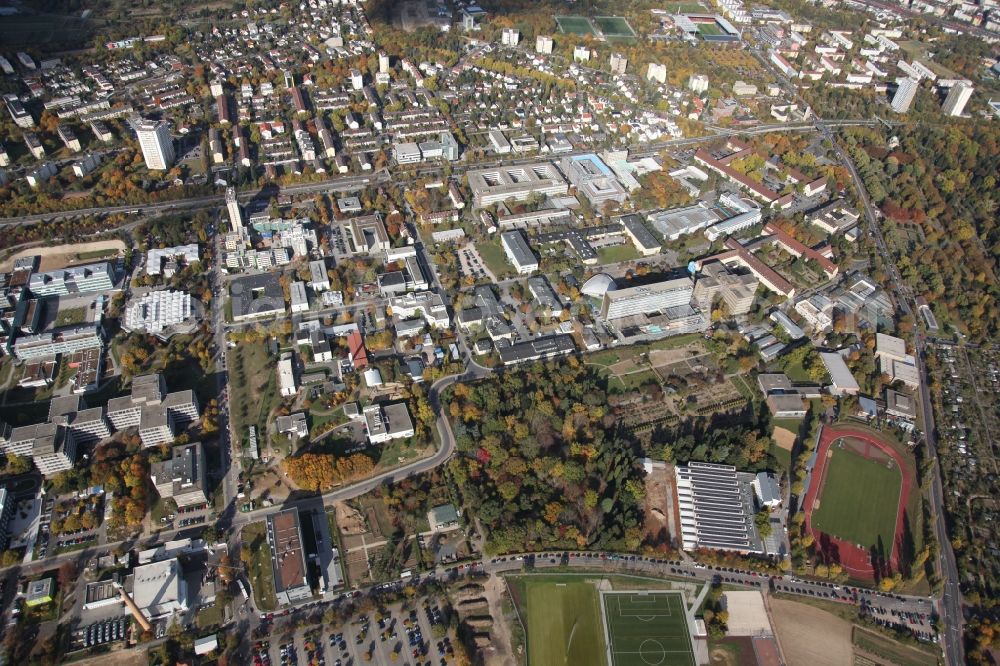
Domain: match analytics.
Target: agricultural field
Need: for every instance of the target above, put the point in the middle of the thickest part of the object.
(858, 500)
(647, 628)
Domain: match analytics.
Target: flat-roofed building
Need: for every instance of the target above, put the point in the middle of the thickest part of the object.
(368, 234)
(890, 352)
(593, 179)
(539, 348)
(50, 446)
(716, 508)
(490, 186)
(286, 376)
(159, 588)
(386, 422)
(518, 252)
(319, 279)
(641, 238)
(545, 295)
(900, 405)
(737, 290)
(835, 217)
(158, 312)
(647, 298)
(842, 382)
(62, 341)
(182, 476)
(288, 560)
(159, 416)
(299, 297)
(73, 280)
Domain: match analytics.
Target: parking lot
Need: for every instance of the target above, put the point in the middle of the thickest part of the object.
(393, 635)
(471, 264)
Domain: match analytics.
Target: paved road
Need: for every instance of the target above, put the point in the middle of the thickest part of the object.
(950, 603)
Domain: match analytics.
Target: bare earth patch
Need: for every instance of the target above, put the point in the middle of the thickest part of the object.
(784, 438)
(58, 256)
(812, 636)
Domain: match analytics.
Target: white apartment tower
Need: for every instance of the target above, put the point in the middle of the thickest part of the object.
(957, 98)
(906, 89)
(383, 62)
(543, 45)
(510, 37)
(618, 63)
(157, 146)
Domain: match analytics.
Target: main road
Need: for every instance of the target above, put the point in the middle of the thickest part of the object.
(950, 604)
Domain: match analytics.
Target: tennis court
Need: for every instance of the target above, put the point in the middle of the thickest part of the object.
(647, 629)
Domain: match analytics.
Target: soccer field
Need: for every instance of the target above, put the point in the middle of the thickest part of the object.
(647, 629)
(614, 26)
(709, 29)
(574, 25)
(563, 624)
(858, 500)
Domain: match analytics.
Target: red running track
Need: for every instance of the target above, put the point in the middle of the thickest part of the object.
(855, 561)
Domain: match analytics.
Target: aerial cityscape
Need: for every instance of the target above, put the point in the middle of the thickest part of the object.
(500, 332)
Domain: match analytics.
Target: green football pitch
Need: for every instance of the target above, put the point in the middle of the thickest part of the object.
(709, 29)
(859, 499)
(614, 26)
(575, 25)
(647, 629)
(564, 626)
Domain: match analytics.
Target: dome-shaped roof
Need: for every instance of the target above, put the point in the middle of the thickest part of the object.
(599, 285)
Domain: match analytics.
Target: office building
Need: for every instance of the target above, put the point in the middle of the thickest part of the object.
(6, 510)
(519, 253)
(156, 143)
(539, 348)
(182, 476)
(256, 296)
(957, 98)
(649, 298)
(298, 297)
(61, 341)
(906, 89)
(288, 560)
(735, 290)
(490, 186)
(593, 179)
(73, 280)
(842, 382)
(716, 508)
(164, 260)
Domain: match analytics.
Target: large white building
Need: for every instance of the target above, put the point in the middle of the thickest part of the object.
(156, 311)
(386, 422)
(906, 89)
(159, 588)
(156, 143)
(490, 186)
(716, 508)
(73, 280)
(518, 252)
(286, 376)
(645, 299)
(957, 98)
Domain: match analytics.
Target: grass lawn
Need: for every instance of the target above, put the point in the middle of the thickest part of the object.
(896, 652)
(261, 576)
(96, 254)
(634, 380)
(615, 253)
(783, 456)
(648, 629)
(252, 386)
(209, 616)
(494, 257)
(564, 622)
(70, 316)
(685, 8)
(575, 25)
(858, 500)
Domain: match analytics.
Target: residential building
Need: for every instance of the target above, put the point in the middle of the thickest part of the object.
(51, 446)
(906, 89)
(581, 54)
(618, 63)
(61, 341)
(543, 45)
(182, 476)
(656, 72)
(156, 143)
(158, 415)
(510, 37)
(698, 83)
(958, 97)
(298, 297)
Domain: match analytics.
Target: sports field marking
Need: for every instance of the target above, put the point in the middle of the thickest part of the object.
(646, 629)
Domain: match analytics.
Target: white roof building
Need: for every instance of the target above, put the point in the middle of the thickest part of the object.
(159, 588)
(842, 382)
(156, 311)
